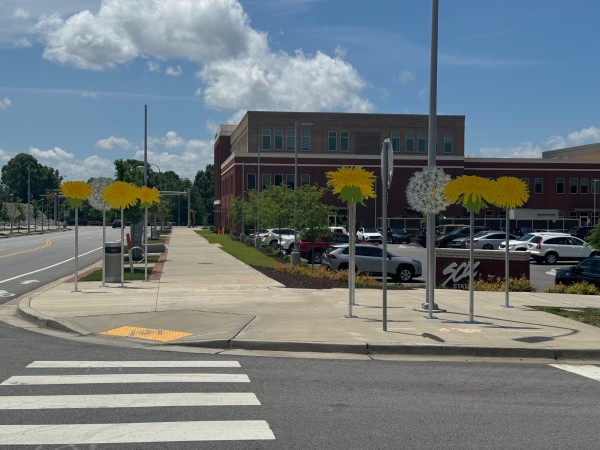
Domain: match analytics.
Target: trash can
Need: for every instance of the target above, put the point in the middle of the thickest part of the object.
(112, 269)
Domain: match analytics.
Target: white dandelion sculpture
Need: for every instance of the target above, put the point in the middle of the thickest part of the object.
(425, 190)
(425, 193)
(96, 201)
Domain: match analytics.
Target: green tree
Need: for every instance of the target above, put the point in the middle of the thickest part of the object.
(594, 238)
(203, 194)
(22, 167)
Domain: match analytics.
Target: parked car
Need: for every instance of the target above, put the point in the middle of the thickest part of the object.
(338, 230)
(398, 236)
(520, 245)
(443, 240)
(368, 234)
(116, 223)
(587, 270)
(368, 260)
(550, 249)
(485, 240)
(313, 251)
(581, 232)
(521, 231)
(275, 237)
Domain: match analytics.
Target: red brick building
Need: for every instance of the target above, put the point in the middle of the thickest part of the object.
(261, 151)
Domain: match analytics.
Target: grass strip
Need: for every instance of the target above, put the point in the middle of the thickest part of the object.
(590, 316)
(246, 254)
(137, 275)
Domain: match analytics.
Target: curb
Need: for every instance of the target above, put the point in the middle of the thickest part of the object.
(28, 313)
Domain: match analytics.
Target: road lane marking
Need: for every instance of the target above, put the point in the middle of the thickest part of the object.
(128, 364)
(128, 378)
(48, 267)
(114, 433)
(46, 244)
(584, 370)
(129, 400)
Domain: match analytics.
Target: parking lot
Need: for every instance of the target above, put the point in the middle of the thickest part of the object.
(541, 275)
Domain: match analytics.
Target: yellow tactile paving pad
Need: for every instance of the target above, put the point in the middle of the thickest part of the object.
(151, 334)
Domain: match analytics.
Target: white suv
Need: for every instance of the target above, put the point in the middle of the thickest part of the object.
(520, 245)
(275, 237)
(551, 248)
(369, 234)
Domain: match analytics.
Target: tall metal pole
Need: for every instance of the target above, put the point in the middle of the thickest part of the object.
(28, 196)
(594, 187)
(257, 240)
(189, 196)
(295, 255)
(146, 185)
(431, 159)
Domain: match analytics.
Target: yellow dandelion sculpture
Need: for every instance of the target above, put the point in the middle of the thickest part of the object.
(511, 192)
(148, 196)
(120, 195)
(76, 192)
(353, 184)
(472, 191)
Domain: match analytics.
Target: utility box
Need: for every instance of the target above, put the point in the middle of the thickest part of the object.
(112, 261)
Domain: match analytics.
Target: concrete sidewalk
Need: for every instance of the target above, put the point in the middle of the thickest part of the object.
(207, 298)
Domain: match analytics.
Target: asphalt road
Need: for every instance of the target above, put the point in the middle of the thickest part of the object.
(295, 403)
(30, 261)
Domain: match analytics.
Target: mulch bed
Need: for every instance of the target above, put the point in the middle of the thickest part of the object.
(299, 282)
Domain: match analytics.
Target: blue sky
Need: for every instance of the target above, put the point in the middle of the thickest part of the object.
(76, 75)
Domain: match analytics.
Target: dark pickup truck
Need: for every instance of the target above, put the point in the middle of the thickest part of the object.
(313, 251)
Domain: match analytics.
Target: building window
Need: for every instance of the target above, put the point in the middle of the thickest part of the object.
(560, 185)
(489, 214)
(502, 213)
(289, 178)
(561, 214)
(251, 181)
(584, 186)
(573, 185)
(410, 142)
(526, 181)
(332, 141)
(595, 186)
(395, 137)
(538, 185)
(344, 141)
(291, 140)
(305, 140)
(304, 179)
(278, 179)
(422, 142)
(448, 143)
(266, 180)
(266, 139)
(572, 214)
(278, 137)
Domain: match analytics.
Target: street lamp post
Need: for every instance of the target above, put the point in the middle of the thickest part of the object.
(295, 255)
(595, 188)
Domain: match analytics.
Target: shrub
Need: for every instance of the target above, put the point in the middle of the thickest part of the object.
(496, 283)
(341, 276)
(582, 288)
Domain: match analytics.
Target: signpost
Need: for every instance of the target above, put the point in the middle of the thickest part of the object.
(387, 172)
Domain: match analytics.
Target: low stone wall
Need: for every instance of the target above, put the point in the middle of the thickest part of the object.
(452, 266)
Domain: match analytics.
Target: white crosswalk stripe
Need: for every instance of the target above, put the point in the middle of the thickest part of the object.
(584, 370)
(114, 433)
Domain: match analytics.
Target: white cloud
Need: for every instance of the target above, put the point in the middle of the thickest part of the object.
(406, 76)
(56, 153)
(239, 70)
(89, 94)
(522, 150)
(589, 135)
(282, 82)
(113, 142)
(529, 150)
(174, 71)
(121, 31)
(6, 103)
(153, 66)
